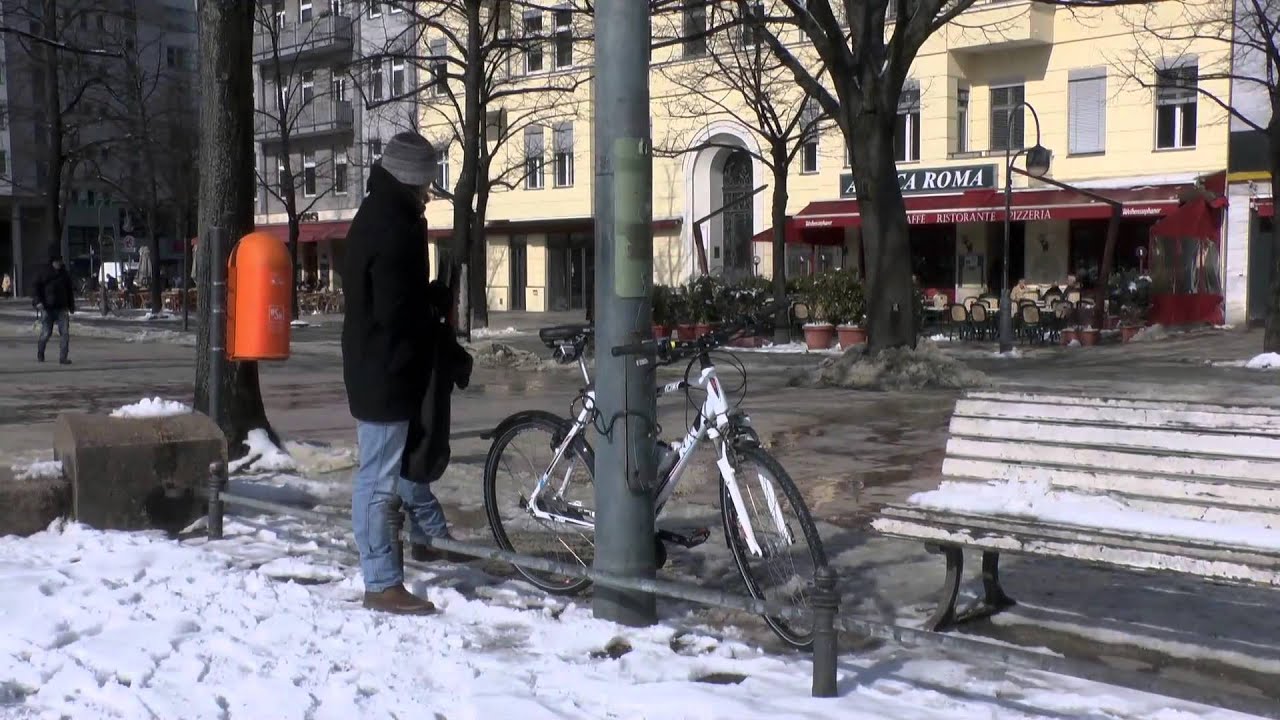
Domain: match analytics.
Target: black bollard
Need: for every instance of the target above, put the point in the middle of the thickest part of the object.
(217, 482)
(826, 602)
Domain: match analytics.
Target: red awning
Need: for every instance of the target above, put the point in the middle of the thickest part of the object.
(1195, 219)
(791, 234)
(988, 206)
(1265, 208)
(310, 232)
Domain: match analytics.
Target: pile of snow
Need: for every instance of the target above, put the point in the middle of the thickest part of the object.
(151, 407)
(313, 459)
(794, 348)
(1012, 354)
(39, 470)
(501, 355)
(483, 333)
(170, 337)
(894, 369)
(111, 625)
(1151, 333)
(1040, 501)
(1265, 361)
(162, 315)
(263, 455)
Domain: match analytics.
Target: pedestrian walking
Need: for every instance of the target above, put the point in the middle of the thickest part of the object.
(388, 333)
(55, 299)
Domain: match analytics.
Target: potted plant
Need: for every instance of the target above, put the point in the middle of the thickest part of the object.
(1070, 334)
(704, 308)
(662, 319)
(681, 310)
(1133, 313)
(1088, 336)
(848, 308)
(819, 332)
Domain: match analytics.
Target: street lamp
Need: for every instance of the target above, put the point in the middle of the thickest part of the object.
(1038, 158)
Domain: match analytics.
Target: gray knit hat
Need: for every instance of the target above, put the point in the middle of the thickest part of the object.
(410, 159)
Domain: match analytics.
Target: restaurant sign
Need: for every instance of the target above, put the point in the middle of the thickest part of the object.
(918, 181)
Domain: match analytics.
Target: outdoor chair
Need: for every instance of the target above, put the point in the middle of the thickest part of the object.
(957, 322)
(1032, 329)
(979, 321)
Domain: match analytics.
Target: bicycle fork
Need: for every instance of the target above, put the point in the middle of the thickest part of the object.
(730, 477)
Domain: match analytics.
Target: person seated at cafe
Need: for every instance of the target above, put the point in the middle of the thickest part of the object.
(1021, 292)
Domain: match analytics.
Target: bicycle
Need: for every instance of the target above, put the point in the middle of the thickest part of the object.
(562, 492)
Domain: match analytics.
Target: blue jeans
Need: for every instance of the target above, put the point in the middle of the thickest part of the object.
(381, 446)
(62, 319)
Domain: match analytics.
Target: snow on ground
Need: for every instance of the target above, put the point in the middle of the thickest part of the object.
(110, 625)
(795, 348)
(263, 455)
(151, 407)
(1012, 354)
(312, 459)
(38, 470)
(484, 333)
(1039, 500)
(1265, 361)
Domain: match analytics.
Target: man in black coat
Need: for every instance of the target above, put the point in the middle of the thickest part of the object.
(55, 297)
(387, 340)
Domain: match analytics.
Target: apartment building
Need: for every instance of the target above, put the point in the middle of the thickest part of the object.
(154, 63)
(1007, 73)
(328, 93)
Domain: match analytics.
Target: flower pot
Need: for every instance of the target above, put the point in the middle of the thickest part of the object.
(1068, 336)
(1127, 332)
(851, 335)
(1089, 338)
(661, 332)
(685, 332)
(702, 329)
(818, 336)
(748, 342)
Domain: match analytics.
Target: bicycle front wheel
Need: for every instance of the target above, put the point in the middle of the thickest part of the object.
(553, 526)
(784, 571)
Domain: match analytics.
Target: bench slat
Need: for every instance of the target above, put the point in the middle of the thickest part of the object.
(1150, 418)
(1169, 558)
(1125, 402)
(1166, 441)
(1103, 460)
(1197, 495)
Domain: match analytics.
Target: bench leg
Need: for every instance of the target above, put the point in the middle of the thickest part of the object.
(944, 616)
(993, 594)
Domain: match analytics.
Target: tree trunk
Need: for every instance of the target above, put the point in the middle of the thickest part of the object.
(782, 331)
(226, 194)
(478, 257)
(295, 231)
(1271, 339)
(885, 239)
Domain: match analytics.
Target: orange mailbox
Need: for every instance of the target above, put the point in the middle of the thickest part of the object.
(258, 300)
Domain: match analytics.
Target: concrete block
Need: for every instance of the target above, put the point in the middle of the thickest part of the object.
(29, 506)
(137, 473)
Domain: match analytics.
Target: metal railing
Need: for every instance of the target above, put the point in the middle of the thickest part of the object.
(330, 33)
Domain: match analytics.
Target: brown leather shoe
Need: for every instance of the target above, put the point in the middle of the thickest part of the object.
(397, 600)
(427, 554)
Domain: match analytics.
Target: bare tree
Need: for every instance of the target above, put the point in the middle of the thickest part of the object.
(145, 121)
(492, 71)
(867, 62)
(741, 79)
(1247, 35)
(226, 194)
(65, 68)
(295, 105)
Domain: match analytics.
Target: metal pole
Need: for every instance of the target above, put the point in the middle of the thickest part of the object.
(217, 483)
(217, 322)
(624, 468)
(1006, 316)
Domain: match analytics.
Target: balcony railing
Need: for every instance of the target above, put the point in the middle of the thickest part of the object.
(318, 117)
(321, 35)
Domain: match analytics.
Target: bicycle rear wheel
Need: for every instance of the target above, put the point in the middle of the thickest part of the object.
(785, 572)
(517, 460)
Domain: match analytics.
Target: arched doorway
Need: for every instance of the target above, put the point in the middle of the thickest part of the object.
(737, 219)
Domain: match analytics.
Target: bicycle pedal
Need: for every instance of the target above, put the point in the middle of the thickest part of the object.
(695, 537)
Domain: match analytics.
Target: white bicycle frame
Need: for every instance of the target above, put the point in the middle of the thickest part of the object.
(713, 422)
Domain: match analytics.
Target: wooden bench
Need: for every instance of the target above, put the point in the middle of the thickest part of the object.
(1191, 489)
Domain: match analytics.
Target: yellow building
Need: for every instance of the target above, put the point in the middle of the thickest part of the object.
(1141, 137)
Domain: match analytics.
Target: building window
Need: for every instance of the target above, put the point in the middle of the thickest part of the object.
(375, 8)
(848, 154)
(811, 113)
(395, 8)
(304, 12)
(282, 176)
(375, 80)
(309, 174)
(397, 78)
(906, 129)
(308, 86)
(338, 85)
(695, 29)
(752, 34)
(564, 37)
(562, 137)
(339, 174)
(4, 162)
(1006, 117)
(1086, 111)
(962, 119)
(375, 150)
(533, 41)
(439, 66)
(495, 125)
(534, 153)
(337, 7)
(1176, 106)
(442, 166)
(281, 19)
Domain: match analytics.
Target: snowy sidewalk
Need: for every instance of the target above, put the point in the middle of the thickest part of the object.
(116, 625)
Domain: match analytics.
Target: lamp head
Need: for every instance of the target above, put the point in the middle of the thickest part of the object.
(1038, 159)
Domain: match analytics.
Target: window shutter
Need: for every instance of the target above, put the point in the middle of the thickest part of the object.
(1087, 123)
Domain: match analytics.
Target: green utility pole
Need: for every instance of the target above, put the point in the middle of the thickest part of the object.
(624, 471)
